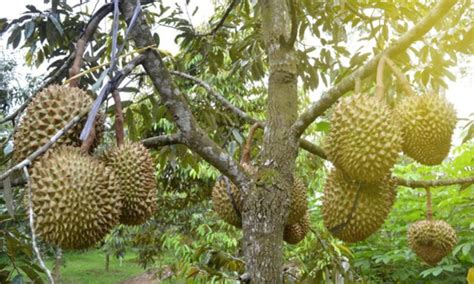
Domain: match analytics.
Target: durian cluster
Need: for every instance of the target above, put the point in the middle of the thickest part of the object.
(227, 202)
(77, 198)
(364, 142)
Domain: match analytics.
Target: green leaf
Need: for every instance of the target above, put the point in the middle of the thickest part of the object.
(29, 29)
(56, 24)
(33, 275)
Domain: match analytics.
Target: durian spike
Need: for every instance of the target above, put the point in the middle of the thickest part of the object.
(429, 209)
(119, 132)
(248, 144)
(379, 87)
(401, 78)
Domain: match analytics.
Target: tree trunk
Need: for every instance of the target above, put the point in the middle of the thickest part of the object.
(266, 206)
(107, 261)
(57, 265)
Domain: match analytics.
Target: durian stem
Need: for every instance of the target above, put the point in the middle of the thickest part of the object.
(119, 132)
(429, 209)
(380, 87)
(401, 78)
(89, 141)
(248, 144)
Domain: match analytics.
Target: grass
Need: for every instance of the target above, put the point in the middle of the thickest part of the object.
(89, 268)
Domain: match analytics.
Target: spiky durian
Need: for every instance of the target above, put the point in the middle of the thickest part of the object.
(364, 140)
(295, 233)
(74, 197)
(227, 199)
(352, 211)
(299, 202)
(431, 240)
(48, 112)
(427, 123)
(135, 174)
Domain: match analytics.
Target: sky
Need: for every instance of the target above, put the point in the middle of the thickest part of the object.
(460, 92)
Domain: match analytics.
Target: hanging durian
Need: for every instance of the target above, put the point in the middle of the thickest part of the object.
(74, 197)
(431, 240)
(352, 210)
(135, 174)
(295, 233)
(48, 112)
(364, 140)
(427, 123)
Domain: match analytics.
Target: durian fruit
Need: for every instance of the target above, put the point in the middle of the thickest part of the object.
(224, 191)
(227, 199)
(427, 123)
(135, 174)
(352, 211)
(431, 240)
(295, 233)
(364, 140)
(299, 202)
(48, 112)
(74, 198)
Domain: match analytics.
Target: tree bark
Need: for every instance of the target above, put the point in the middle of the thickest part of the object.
(265, 207)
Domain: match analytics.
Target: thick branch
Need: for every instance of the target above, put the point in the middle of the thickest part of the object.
(347, 84)
(192, 135)
(226, 103)
(162, 140)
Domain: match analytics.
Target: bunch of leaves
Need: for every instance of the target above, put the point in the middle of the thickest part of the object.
(17, 260)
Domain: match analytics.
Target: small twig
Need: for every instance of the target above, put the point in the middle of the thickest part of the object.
(401, 78)
(119, 132)
(32, 227)
(247, 150)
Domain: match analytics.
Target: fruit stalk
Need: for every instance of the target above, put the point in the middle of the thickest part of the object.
(429, 209)
(119, 132)
(401, 78)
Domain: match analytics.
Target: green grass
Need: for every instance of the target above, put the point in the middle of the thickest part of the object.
(89, 268)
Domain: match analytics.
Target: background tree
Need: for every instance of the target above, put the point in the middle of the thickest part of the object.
(220, 83)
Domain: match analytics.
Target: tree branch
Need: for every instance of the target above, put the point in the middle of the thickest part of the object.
(332, 95)
(162, 140)
(313, 149)
(86, 36)
(433, 183)
(229, 9)
(226, 103)
(192, 135)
